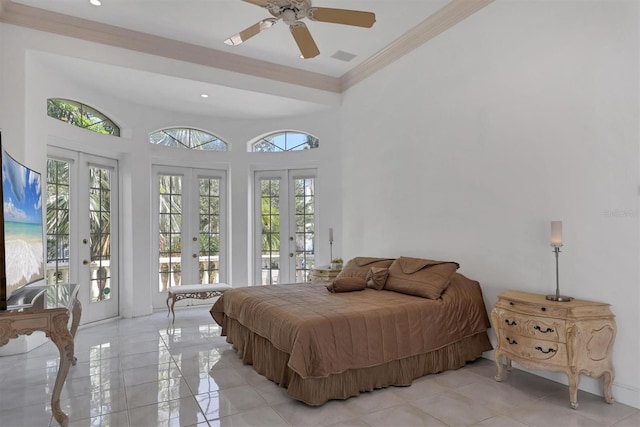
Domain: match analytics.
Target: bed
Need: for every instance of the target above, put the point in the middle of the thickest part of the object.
(322, 345)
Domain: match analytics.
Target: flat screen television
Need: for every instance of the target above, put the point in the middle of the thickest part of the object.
(21, 227)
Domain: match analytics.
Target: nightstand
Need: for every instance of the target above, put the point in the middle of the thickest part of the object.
(574, 337)
(323, 274)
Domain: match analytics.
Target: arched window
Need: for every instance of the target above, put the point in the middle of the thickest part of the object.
(285, 141)
(78, 114)
(188, 138)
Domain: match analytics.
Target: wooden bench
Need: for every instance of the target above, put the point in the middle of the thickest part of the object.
(177, 293)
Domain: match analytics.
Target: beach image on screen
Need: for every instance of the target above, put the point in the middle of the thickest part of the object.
(23, 230)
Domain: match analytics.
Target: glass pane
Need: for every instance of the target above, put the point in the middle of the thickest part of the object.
(100, 233)
(209, 257)
(187, 138)
(58, 225)
(170, 231)
(80, 115)
(286, 141)
(270, 236)
(305, 226)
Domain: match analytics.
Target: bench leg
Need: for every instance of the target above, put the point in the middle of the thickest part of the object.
(173, 298)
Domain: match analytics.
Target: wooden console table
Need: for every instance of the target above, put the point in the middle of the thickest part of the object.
(49, 312)
(574, 337)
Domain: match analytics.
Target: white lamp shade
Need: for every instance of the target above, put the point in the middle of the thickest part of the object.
(556, 234)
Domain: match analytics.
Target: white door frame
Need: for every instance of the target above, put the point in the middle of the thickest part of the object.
(287, 270)
(79, 231)
(189, 225)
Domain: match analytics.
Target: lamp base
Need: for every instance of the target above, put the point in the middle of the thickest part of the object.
(559, 298)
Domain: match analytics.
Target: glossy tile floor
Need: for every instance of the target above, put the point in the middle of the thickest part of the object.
(146, 372)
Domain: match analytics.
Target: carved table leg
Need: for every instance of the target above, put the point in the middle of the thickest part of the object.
(574, 380)
(498, 359)
(62, 338)
(509, 367)
(608, 381)
(76, 312)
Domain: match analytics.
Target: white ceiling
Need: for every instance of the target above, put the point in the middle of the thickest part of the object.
(206, 24)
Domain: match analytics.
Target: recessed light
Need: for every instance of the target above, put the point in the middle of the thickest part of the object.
(96, 2)
(204, 95)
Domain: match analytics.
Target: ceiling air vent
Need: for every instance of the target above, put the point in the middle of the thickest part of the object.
(343, 56)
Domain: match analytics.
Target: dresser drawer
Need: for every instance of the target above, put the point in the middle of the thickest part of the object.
(546, 352)
(532, 309)
(543, 328)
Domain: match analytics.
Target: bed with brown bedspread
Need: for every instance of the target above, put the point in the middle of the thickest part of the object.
(322, 345)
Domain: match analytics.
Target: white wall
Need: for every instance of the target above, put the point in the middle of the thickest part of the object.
(27, 83)
(468, 147)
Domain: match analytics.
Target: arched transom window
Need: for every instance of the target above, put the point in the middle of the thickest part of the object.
(285, 141)
(188, 138)
(78, 114)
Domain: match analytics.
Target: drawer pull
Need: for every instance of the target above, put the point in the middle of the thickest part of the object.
(510, 322)
(545, 331)
(543, 308)
(551, 350)
(510, 341)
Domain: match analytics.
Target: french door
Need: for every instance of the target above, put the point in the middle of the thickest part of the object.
(190, 228)
(284, 226)
(82, 229)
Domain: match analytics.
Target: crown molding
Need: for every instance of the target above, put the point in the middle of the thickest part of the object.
(445, 18)
(65, 25)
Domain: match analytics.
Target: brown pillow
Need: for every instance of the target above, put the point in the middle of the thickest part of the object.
(377, 277)
(420, 277)
(347, 284)
(360, 266)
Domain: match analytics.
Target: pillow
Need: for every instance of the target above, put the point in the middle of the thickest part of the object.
(360, 266)
(377, 277)
(347, 284)
(424, 278)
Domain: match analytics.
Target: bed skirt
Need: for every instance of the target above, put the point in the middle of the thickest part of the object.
(271, 362)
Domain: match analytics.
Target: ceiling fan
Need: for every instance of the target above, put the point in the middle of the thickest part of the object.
(291, 12)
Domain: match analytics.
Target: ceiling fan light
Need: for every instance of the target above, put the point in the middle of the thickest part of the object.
(233, 40)
(267, 23)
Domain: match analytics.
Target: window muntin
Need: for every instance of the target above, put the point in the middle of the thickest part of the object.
(193, 139)
(270, 226)
(285, 141)
(304, 202)
(78, 114)
(58, 231)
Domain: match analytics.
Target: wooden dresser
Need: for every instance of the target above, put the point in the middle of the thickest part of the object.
(574, 337)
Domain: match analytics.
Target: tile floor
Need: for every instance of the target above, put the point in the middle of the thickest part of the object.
(146, 372)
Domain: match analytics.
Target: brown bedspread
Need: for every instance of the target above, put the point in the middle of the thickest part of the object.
(327, 333)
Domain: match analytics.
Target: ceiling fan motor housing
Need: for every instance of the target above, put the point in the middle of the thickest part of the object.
(289, 10)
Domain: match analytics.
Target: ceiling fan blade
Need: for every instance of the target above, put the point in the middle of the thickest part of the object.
(247, 33)
(261, 3)
(306, 44)
(342, 16)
